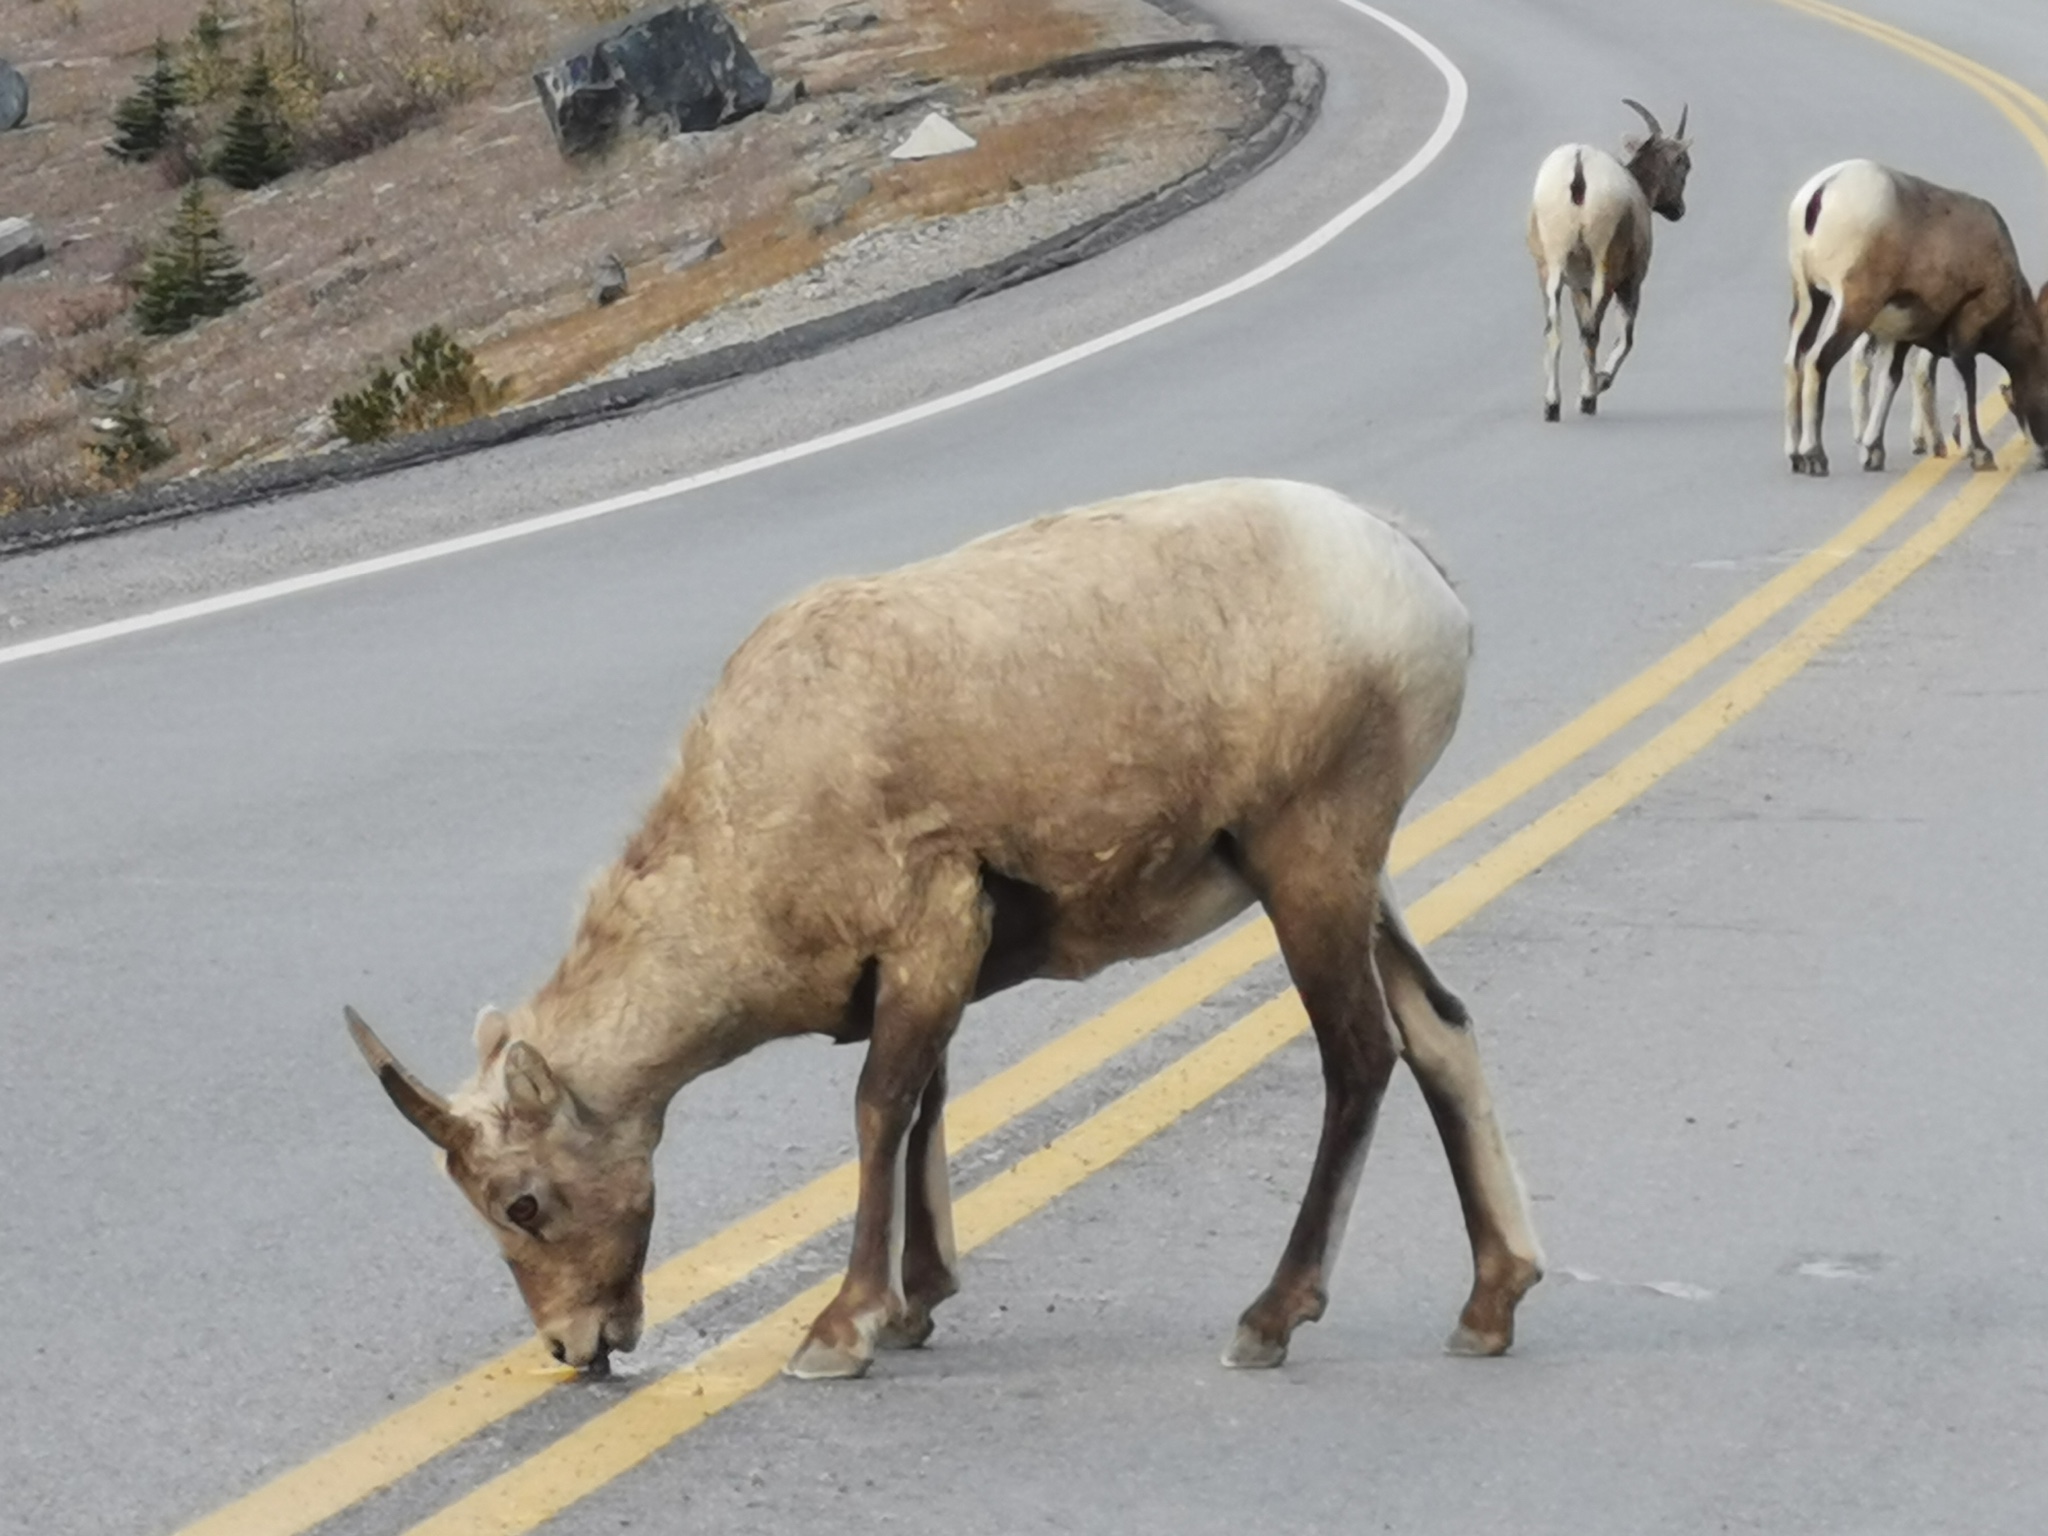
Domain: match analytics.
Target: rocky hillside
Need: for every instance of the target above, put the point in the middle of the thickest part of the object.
(426, 189)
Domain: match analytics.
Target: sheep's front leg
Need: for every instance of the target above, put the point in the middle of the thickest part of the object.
(920, 994)
(1927, 433)
(1981, 456)
(930, 1261)
(1871, 432)
(1859, 385)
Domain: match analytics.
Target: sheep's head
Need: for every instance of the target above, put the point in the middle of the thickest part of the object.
(2028, 398)
(569, 1198)
(1661, 162)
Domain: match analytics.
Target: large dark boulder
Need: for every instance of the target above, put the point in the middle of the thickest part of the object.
(683, 63)
(13, 97)
(21, 245)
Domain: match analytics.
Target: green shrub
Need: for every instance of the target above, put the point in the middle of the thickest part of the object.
(436, 384)
(147, 121)
(129, 444)
(192, 275)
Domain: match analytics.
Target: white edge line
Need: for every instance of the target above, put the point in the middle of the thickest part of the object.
(227, 602)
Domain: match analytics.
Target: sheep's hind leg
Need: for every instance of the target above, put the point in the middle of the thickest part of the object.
(1626, 297)
(1591, 312)
(1553, 342)
(1811, 310)
(1438, 1044)
(1814, 389)
(1322, 908)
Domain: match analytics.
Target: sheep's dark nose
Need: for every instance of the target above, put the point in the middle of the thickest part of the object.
(555, 1348)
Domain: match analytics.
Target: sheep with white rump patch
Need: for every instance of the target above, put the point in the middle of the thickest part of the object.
(1589, 230)
(1874, 251)
(1092, 737)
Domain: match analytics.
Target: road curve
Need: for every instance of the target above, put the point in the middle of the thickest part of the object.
(1764, 1038)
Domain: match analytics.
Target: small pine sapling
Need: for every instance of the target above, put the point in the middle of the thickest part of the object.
(193, 275)
(146, 122)
(256, 146)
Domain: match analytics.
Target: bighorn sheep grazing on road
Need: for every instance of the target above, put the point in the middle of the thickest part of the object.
(1875, 251)
(1589, 230)
(1090, 737)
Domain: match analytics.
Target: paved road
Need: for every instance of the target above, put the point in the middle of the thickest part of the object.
(1767, 1038)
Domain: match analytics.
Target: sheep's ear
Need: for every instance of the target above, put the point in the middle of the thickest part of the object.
(493, 1029)
(1631, 144)
(530, 1084)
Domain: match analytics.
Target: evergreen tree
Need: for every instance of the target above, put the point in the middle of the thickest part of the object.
(193, 275)
(145, 121)
(256, 146)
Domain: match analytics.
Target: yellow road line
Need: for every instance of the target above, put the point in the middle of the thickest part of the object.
(2020, 106)
(621, 1438)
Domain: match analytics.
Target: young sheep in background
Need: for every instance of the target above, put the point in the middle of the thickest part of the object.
(1876, 251)
(1589, 230)
(1927, 434)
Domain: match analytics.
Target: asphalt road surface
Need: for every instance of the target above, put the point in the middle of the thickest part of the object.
(1757, 973)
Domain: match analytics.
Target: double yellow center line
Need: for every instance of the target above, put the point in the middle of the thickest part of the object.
(619, 1438)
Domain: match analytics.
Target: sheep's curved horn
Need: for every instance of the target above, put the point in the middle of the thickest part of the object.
(1656, 130)
(1682, 113)
(425, 1108)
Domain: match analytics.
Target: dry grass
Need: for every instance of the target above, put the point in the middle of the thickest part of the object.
(446, 202)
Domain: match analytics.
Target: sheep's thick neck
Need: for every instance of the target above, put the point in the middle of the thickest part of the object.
(635, 1010)
(2019, 345)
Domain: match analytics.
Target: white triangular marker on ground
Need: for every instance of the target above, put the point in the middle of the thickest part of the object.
(934, 136)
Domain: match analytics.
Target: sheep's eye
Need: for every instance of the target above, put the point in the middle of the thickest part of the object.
(523, 1212)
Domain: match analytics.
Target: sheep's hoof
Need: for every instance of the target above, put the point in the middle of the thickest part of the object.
(1589, 405)
(1817, 464)
(908, 1330)
(1873, 456)
(819, 1361)
(1474, 1345)
(1550, 411)
(1603, 383)
(1983, 458)
(1252, 1350)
